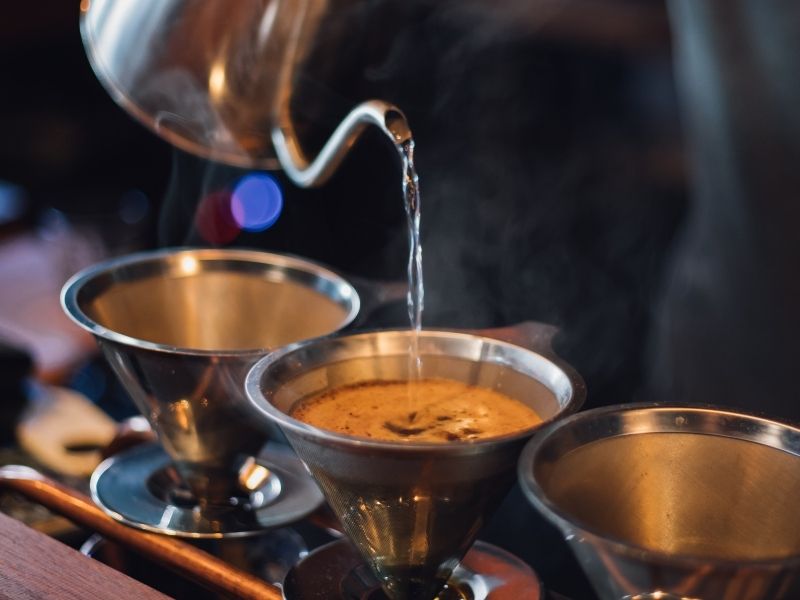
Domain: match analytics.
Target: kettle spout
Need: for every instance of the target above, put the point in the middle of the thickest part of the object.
(386, 117)
(396, 125)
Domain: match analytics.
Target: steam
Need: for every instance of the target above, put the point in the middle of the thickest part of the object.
(540, 202)
(197, 205)
(184, 114)
(728, 319)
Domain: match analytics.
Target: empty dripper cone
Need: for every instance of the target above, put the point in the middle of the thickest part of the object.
(181, 328)
(673, 502)
(412, 509)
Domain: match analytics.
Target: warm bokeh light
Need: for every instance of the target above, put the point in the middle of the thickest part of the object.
(256, 202)
(216, 80)
(189, 265)
(182, 414)
(213, 219)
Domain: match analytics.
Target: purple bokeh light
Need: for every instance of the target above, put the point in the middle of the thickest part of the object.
(256, 202)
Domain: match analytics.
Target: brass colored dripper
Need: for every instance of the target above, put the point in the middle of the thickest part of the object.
(677, 502)
(412, 509)
(181, 327)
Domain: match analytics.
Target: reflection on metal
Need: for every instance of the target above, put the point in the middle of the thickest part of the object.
(141, 488)
(673, 502)
(180, 557)
(181, 328)
(216, 78)
(658, 596)
(387, 118)
(336, 571)
(412, 509)
(252, 475)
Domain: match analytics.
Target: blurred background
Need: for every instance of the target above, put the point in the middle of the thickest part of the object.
(548, 147)
(553, 148)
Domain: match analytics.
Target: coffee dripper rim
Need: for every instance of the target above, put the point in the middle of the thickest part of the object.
(73, 286)
(568, 523)
(264, 406)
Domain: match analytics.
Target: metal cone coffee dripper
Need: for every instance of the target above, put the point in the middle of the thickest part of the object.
(181, 328)
(412, 509)
(673, 503)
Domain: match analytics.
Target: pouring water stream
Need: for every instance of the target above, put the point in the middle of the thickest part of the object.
(393, 123)
(416, 289)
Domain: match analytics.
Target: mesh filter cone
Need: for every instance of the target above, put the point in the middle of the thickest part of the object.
(181, 328)
(686, 502)
(412, 517)
(411, 509)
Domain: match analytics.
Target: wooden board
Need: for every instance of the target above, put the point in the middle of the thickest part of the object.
(34, 566)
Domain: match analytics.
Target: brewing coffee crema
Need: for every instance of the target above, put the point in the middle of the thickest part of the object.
(423, 410)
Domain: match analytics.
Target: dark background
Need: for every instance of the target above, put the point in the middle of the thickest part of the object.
(550, 161)
(549, 157)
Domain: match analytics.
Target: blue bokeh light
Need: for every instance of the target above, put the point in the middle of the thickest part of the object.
(134, 205)
(256, 202)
